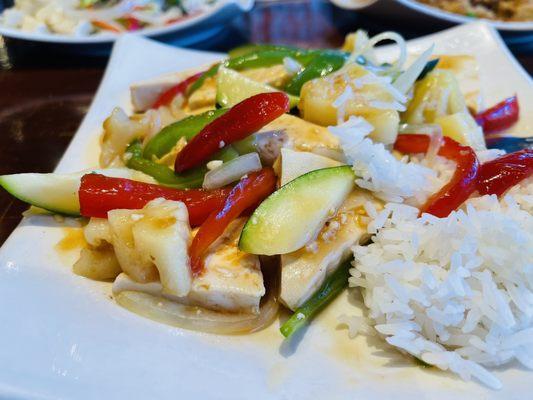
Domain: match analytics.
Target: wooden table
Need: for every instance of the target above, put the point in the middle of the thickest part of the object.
(44, 94)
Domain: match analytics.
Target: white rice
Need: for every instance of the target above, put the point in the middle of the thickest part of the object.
(455, 292)
(379, 171)
(523, 195)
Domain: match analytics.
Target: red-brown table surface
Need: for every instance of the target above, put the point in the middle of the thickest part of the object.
(45, 92)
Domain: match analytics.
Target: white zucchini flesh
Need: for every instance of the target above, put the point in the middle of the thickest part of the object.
(293, 215)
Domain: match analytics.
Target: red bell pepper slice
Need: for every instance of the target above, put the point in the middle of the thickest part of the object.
(240, 121)
(251, 190)
(99, 194)
(105, 25)
(131, 23)
(464, 179)
(180, 88)
(498, 175)
(499, 117)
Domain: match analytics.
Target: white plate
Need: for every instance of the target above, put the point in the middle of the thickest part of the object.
(64, 337)
(223, 10)
(403, 8)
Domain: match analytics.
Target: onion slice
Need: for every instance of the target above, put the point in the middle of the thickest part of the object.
(232, 171)
(200, 319)
(404, 82)
(368, 47)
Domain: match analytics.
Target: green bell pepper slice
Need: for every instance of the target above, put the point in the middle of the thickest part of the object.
(165, 175)
(258, 56)
(268, 58)
(166, 139)
(321, 65)
(253, 47)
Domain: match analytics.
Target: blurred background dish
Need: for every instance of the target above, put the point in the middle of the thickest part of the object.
(81, 18)
(95, 26)
(517, 34)
(504, 15)
(498, 10)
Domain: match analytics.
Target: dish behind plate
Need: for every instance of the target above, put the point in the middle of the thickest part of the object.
(188, 32)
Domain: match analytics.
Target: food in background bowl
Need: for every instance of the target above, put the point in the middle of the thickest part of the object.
(91, 17)
(505, 10)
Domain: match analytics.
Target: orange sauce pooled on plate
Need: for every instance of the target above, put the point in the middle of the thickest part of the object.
(73, 239)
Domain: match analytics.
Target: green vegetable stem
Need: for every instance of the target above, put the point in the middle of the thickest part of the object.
(331, 288)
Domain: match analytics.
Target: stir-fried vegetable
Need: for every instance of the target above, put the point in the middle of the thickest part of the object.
(364, 46)
(311, 224)
(99, 194)
(233, 87)
(164, 175)
(320, 66)
(497, 176)
(58, 193)
(430, 66)
(241, 120)
(499, 117)
(323, 61)
(330, 99)
(462, 128)
(200, 81)
(247, 145)
(160, 172)
(232, 171)
(436, 95)
(180, 88)
(463, 182)
(187, 128)
(416, 71)
(253, 48)
(295, 214)
(251, 190)
(331, 288)
(268, 58)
